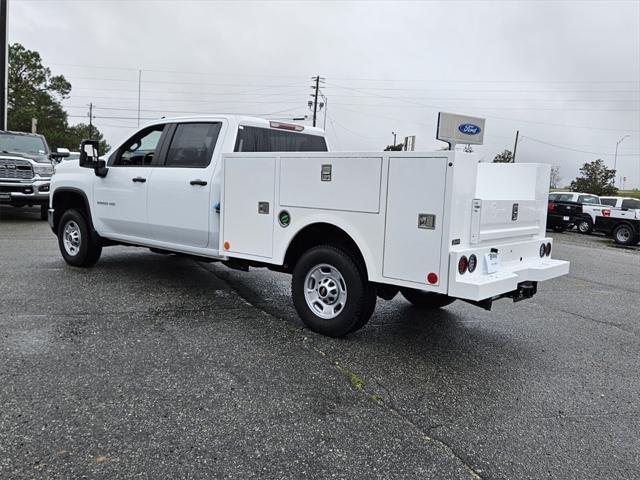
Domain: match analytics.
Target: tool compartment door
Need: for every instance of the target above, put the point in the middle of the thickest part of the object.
(414, 220)
(247, 206)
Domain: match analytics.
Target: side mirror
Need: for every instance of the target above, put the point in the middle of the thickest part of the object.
(59, 154)
(89, 154)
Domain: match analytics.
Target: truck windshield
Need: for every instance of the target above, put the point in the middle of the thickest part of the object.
(22, 143)
(589, 199)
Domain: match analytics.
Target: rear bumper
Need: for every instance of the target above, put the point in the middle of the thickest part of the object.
(520, 263)
(499, 283)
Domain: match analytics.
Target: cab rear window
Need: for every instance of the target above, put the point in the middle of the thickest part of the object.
(254, 139)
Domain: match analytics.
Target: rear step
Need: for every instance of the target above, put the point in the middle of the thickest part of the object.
(525, 290)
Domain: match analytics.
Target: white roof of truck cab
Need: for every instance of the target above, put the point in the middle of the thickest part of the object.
(241, 120)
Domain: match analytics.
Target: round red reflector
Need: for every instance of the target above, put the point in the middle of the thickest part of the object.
(462, 265)
(547, 249)
(543, 250)
(473, 263)
(432, 278)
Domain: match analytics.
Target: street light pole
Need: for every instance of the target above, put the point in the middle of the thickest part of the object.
(615, 158)
(394, 138)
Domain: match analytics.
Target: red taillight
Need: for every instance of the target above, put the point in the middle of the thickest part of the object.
(547, 249)
(551, 206)
(606, 212)
(463, 263)
(432, 278)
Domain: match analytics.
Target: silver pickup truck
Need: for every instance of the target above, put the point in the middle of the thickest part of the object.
(25, 170)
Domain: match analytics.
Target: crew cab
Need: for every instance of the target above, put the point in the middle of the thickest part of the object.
(591, 208)
(348, 226)
(621, 220)
(25, 170)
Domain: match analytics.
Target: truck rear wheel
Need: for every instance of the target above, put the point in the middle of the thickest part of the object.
(44, 211)
(624, 235)
(330, 292)
(75, 241)
(426, 300)
(584, 225)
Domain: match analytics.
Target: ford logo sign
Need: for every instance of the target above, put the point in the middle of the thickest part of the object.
(469, 129)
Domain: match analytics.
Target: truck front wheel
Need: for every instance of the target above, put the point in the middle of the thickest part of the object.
(330, 292)
(44, 212)
(75, 241)
(426, 300)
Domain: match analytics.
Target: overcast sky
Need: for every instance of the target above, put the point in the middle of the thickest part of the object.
(563, 73)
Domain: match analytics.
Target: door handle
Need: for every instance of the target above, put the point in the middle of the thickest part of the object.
(139, 179)
(202, 183)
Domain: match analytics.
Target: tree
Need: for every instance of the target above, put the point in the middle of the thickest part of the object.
(596, 179)
(505, 157)
(35, 93)
(554, 180)
(394, 148)
(76, 133)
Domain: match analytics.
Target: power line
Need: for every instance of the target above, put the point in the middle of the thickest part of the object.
(577, 150)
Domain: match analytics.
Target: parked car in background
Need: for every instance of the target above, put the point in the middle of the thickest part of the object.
(70, 155)
(25, 170)
(624, 203)
(591, 208)
(562, 215)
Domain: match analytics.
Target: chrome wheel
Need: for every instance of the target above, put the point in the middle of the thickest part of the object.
(583, 226)
(623, 235)
(71, 238)
(325, 291)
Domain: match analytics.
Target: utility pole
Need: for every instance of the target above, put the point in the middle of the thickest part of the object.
(317, 79)
(4, 64)
(139, 90)
(394, 138)
(615, 158)
(515, 146)
(90, 120)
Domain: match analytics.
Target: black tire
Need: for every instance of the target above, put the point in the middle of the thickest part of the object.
(426, 300)
(369, 306)
(44, 212)
(623, 234)
(584, 225)
(349, 283)
(85, 251)
(559, 228)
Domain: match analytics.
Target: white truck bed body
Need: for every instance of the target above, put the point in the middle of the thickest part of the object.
(377, 198)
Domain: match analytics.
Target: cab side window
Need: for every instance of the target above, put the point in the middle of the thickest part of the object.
(192, 145)
(631, 204)
(608, 201)
(140, 149)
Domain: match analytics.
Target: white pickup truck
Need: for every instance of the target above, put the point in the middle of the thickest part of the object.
(349, 227)
(591, 208)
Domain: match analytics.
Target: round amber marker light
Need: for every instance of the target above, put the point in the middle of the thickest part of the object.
(227, 245)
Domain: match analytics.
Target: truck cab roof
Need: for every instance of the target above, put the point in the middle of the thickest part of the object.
(244, 120)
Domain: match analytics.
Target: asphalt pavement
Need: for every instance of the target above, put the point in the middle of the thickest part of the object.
(153, 366)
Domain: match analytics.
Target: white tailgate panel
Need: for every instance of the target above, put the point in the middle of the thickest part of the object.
(416, 186)
(248, 181)
(354, 185)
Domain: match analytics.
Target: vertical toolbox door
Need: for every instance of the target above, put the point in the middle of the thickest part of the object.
(249, 186)
(413, 230)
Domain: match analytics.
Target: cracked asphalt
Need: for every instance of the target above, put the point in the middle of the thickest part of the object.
(155, 366)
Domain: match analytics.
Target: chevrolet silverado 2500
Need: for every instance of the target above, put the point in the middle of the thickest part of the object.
(349, 226)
